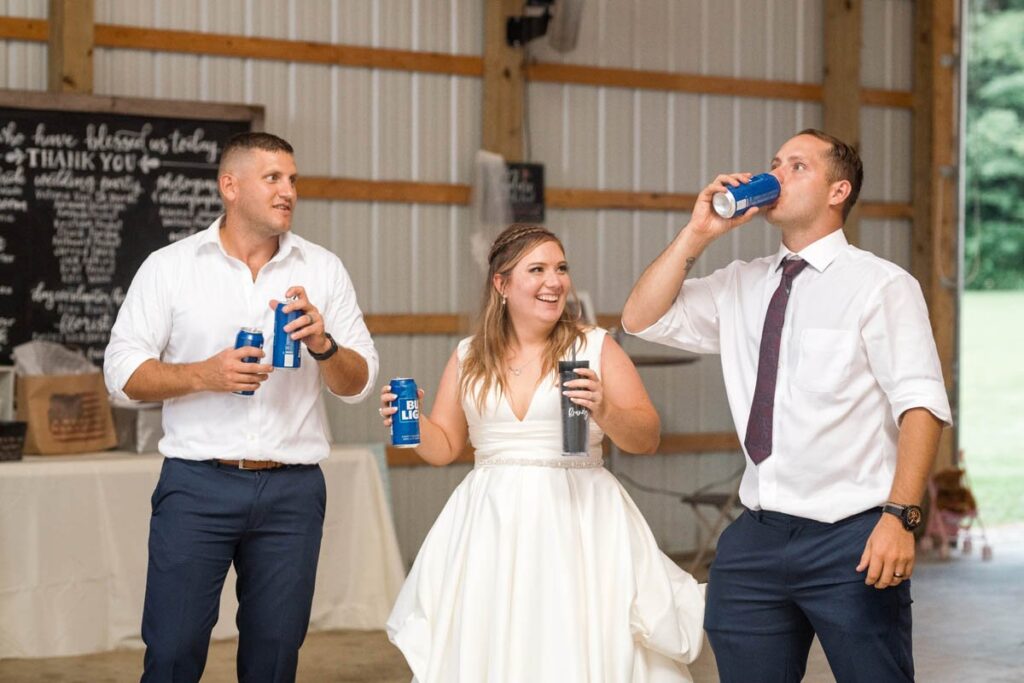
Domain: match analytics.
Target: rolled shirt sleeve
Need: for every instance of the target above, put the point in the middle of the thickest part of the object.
(691, 322)
(142, 328)
(901, 349)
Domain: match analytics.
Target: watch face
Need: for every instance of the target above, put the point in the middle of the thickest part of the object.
(912, 516)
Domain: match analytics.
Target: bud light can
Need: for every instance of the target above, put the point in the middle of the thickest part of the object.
(287, 351)
(762, 190)
(405, 424)
(249, 336)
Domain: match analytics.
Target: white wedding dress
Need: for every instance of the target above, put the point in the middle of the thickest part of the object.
(541, 569)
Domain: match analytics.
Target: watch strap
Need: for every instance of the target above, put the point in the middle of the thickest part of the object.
(331, 350)
(894, 509)
(903, 512)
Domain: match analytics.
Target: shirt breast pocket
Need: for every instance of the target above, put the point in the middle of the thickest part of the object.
(825, 359)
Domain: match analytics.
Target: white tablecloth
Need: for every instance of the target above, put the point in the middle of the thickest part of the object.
(73, 538)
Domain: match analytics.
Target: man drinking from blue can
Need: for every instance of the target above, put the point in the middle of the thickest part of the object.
(836, 391)
(240, 481)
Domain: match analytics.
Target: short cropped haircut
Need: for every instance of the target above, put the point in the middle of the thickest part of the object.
(844, 164)
(248, 141)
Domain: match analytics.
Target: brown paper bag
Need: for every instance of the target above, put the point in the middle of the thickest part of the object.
(65, 413)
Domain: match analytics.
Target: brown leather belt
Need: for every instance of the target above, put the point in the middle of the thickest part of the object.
(252, 464)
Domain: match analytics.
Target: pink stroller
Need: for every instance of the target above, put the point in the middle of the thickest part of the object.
(952, 516)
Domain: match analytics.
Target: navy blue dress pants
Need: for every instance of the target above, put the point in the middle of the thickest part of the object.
(777, 580)
(207, 516)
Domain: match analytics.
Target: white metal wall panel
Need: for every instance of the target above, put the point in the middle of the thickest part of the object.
(359, 21)
(887, 133)
(714, 37)
(22, 63)
(887, 44)
(28, 9)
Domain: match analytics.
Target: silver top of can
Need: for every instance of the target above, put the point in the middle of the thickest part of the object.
(724, 203)
(402, 379)
(252, 330)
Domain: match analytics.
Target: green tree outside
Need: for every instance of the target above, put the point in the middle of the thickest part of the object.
(994, 249)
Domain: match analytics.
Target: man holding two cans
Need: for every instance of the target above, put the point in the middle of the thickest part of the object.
(240, 482)
(836, 391)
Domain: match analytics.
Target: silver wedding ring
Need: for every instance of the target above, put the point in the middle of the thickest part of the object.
(897, 575)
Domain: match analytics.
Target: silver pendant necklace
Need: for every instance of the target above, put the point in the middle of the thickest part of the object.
(518, 371)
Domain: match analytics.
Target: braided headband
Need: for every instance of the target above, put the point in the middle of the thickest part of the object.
(514, 234)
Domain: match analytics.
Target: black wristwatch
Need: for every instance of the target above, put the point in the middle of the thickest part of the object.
(331, 350)
(910, 515)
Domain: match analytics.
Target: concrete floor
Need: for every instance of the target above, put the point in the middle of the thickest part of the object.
(967, 627)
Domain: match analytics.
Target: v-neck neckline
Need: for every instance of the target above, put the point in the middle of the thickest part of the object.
(529, 406)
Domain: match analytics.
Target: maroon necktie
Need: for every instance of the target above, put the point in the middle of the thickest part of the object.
(759, 426)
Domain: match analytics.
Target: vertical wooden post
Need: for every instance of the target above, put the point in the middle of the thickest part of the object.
(502, 124)
(841, 97)
(72, 37)
(934, 259)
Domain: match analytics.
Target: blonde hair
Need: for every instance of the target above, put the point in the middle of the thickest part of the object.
(484, 364)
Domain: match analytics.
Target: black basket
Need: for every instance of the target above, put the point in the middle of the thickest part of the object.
(12, 440)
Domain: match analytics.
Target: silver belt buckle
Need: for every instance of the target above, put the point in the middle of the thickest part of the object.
(241, 464)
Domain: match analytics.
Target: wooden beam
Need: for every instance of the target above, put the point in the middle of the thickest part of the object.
(886, 210)
(77, 102)
(934, 258)
(245, 47)
(69, 57)
(574, 198)
(503, 87)
(841, 94)
(414, 323)
(358, 190)
(16, 28)
(406, 457)
(698, 442)
(897, 99)
(633, 79)
(227, 45)
(353, 189)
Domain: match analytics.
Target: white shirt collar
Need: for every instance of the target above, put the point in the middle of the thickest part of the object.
(819, 254)
(286, 244)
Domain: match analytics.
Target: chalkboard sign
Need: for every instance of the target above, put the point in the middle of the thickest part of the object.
(89, 187)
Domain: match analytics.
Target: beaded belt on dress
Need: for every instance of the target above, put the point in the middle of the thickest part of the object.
(568, 462)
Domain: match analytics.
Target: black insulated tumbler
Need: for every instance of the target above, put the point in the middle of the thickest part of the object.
(575, 418)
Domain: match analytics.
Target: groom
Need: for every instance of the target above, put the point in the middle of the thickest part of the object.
(835, 385)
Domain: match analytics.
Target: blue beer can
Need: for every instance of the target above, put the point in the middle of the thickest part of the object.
(762, 190)
(287, 351)
(249, 336)
(405, 424)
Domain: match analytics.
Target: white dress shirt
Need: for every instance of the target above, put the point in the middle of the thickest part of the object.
(187, 303)
(857, 352)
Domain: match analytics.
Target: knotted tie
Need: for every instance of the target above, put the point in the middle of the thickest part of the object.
(759, 427)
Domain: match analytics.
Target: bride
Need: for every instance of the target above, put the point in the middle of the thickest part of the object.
(540, 567)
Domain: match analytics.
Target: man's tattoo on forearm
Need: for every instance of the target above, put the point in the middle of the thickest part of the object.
(689, 264)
